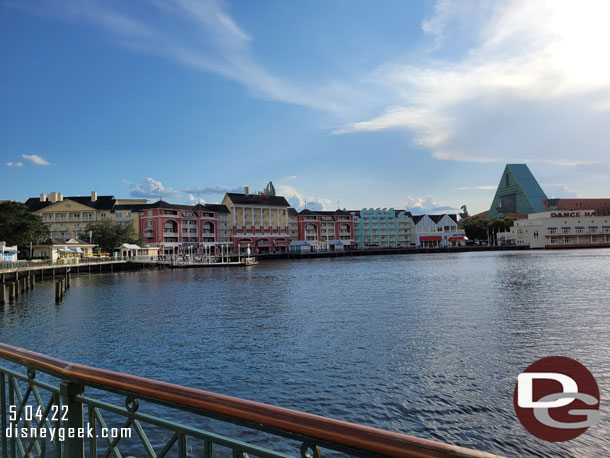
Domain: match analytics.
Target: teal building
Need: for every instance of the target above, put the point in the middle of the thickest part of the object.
(518, 193)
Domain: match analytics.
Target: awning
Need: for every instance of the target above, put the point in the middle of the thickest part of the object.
(458, 237)
(430, 238)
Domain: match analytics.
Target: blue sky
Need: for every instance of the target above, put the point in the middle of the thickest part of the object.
(357, 103)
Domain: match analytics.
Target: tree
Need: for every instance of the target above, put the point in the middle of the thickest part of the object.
(110, 235)
(20, 227)
(483, 229)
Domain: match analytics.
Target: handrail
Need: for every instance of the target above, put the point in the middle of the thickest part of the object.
(372, 440)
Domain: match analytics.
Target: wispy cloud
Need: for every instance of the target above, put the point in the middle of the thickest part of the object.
(480, 188)
(199, 34)
(35, 159)
(14, 164)
(533, 86)
(212, 190)
(560, 190)
(153, 189)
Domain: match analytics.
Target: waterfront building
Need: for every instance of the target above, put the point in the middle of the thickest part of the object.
(382, 227)
(67, 217)
(8, 253)
(518, 193)
(293, 225)
(437, 231)
(326, 230)
(260, 221)
(560, 229)
(184, 229)
(54, 248)
(596, 205)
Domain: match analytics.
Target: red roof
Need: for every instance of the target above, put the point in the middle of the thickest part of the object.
(430, 238)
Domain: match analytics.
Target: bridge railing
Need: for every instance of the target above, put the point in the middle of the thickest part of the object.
(38, 392)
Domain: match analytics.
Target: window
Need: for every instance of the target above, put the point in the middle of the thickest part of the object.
(566, 240)
(552, 230)
(535, 234)
(580, 230)
(565, 230)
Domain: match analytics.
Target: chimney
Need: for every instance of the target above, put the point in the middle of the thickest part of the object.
(246, 190)
(60, 197)
(43, 197)
(53, 197)
(93, 196)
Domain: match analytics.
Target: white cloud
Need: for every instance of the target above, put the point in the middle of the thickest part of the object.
(14, 164)
(422, 205)
(153, 189)
(195, 200)
(300, 201)
(35, 159)
(535, 86)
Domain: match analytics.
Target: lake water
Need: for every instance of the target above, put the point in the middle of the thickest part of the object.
(428, 345)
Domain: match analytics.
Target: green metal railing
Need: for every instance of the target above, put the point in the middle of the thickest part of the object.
(58, 404)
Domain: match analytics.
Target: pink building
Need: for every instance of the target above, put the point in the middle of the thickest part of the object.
(326, 229)
(182, 229)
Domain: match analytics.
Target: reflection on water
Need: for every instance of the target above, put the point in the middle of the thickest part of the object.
(428, 345)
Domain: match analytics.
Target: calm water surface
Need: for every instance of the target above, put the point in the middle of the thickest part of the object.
(428, 345)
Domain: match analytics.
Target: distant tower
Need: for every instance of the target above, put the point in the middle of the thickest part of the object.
(269, 190)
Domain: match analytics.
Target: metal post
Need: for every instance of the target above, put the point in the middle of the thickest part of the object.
(3, 413)
(73, 447)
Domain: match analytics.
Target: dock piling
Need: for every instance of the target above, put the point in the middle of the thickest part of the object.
(12, 291)
(2, 294)
(58, 291)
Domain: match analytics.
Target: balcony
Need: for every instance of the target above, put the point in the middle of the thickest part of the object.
(170, 234)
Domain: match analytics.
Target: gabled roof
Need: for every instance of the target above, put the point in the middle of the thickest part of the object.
(218, 208)
(435, 218)
(71, 242)
(307, 211)
(292, 211)
(101, 203)
(257, 199)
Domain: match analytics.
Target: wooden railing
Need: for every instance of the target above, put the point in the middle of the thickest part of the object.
(314, 431)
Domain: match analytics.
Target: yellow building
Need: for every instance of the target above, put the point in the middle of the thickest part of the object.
(67, 217)
(259, 221)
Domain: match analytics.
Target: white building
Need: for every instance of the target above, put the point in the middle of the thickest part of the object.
(437, 231)
(8, 253)
(559, 229)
